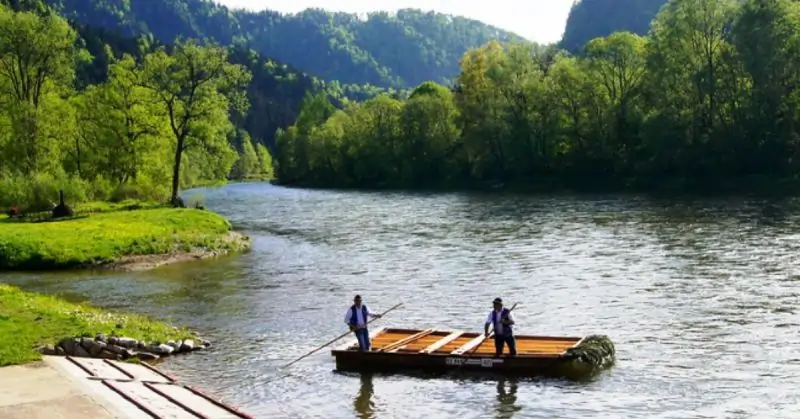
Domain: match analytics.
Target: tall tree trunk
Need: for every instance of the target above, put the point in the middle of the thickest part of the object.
(176, 169)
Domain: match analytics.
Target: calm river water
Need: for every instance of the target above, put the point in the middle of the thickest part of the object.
(700, 297)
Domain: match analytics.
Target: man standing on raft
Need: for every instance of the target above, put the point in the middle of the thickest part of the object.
(503, 321)
(356, 318)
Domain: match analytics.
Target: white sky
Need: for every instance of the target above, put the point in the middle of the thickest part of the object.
(541, 21)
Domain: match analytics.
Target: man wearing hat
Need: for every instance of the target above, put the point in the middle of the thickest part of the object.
(356, 318)
(503, 320)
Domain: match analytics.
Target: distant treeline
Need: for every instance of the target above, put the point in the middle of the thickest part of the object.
(711, 93)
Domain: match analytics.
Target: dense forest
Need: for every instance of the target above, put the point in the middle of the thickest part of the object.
(400, 49)
(711, 94)
(105, 117)
(591, 19)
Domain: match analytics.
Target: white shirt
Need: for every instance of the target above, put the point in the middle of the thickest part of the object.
(498, 327)
(360, 320)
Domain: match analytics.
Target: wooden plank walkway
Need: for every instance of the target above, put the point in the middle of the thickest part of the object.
(139, 391)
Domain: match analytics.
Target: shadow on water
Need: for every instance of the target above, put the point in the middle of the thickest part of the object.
(507, 398)
(363, 404)
(367, 406)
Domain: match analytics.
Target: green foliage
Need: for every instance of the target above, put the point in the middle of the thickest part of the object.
(265, 166)
(156, 119)
(247, 164)
(109, 235)
(195, 87)
(37, 62)
(102, 114)
(710, 94)
(29, 320)
(594, 354)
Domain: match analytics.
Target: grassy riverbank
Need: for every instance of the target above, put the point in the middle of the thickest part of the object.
(107, 235)
(29, 320)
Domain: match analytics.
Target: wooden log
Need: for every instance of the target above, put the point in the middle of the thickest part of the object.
(469, 345)
(393, 346)
(442, 342)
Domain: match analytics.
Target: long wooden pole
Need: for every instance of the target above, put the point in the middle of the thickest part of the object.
(339, 337)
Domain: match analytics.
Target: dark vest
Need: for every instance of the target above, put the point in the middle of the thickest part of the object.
(507, 330)
(353, 318)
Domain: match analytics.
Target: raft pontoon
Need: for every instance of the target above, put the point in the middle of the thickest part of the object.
(437, 351)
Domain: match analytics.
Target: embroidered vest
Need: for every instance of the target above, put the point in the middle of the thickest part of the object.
(507, 330)
(353, 318)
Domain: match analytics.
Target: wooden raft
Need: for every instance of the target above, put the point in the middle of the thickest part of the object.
(431, 350)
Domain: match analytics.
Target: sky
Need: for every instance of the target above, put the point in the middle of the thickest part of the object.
(541, 21)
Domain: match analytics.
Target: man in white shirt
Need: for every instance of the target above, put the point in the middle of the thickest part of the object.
(356, 318)
(503, 322)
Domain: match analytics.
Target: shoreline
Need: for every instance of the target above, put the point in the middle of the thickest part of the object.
(33, 324)
(744, 185)
(138, 263)
(36, 324)
(133, 239)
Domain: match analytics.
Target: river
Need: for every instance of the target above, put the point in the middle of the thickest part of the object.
(699, 296)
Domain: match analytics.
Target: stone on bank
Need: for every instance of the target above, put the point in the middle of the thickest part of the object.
(121, 348)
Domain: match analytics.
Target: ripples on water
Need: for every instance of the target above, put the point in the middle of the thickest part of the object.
(699, 296)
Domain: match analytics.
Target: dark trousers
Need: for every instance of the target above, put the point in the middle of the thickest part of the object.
(500, 340)
(363, 339)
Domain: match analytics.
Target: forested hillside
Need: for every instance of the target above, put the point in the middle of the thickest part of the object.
(711, 97)
(399, 49)
(591, 19)
(106, 116)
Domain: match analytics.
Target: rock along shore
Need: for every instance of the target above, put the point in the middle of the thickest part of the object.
(122, 348)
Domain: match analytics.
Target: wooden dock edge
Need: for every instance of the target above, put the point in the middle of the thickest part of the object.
(218, 402)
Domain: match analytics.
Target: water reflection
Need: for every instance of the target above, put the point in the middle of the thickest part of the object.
(507, 399)
(363, 404)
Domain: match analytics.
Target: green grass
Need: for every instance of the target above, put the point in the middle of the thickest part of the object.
(29, 320)
(100, 207)
(107, 234)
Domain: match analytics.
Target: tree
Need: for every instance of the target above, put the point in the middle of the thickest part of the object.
(121, 124)
(767, 39)
(264, 161)
(38, 55)
(618, 65)
(197, 87)
(248, 163)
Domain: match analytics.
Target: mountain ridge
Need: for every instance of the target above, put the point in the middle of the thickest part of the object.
(583, 24)
(399, 49)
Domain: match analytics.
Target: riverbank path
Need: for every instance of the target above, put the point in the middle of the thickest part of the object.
(67, 387)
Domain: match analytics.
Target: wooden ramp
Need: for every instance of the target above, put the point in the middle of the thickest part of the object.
(141, 391)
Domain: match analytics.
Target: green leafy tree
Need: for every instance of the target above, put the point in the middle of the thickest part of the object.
(38, 55)
(197, 86)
